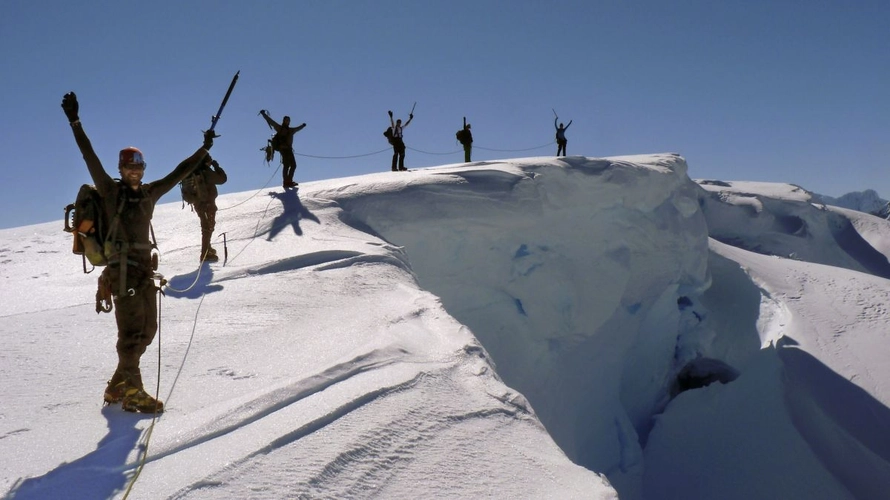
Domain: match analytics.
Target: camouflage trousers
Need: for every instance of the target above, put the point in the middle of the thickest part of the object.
(136, 314)
(207, 215)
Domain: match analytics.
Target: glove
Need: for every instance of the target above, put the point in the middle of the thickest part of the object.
(214, 164)
(70, 106)
(264, 112)
(303, 125)
(390, 113)
(209, 135)
(411, 116)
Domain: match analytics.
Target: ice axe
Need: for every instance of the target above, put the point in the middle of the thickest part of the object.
(215, 118)
(225, 249)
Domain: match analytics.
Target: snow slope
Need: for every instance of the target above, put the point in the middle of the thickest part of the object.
(529, 328)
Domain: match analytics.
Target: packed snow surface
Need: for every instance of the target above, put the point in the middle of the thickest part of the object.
(531, 328)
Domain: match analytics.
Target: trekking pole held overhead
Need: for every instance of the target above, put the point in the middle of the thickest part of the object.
(554, 112)
(412, 108)
(215, 117)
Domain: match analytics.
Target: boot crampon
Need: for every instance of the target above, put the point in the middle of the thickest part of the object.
(126, 388)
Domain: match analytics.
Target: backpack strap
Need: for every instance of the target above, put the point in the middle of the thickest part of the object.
(123, 246)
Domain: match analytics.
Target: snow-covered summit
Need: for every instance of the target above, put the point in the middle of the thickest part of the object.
(867, 201)
(531, 328)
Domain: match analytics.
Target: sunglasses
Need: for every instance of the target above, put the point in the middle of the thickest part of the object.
(134, 166)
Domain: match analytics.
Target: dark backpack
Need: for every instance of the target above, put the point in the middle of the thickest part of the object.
(87, 221)
(193, 188)
(388, 134)
(461, 136)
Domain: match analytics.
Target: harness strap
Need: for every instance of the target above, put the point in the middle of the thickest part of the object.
(122, 247)
(122, 282)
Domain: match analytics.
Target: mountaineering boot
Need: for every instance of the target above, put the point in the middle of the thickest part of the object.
(210, 255)
(118, 385)
(136, 399)
(115, 391)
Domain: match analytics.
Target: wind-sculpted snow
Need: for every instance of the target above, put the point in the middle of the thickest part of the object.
(567, 275)
(535, 328)
(787, 224)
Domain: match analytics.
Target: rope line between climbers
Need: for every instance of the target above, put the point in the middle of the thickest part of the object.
(514, 150)
(341, 157)
(322, 157)
(264, 186)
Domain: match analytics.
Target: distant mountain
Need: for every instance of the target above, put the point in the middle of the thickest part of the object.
(867, 201)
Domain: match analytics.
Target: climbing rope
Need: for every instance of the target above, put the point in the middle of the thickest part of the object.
(154, 418)
(258, 191)
(437, 154)
(516, 150)
(150, 430)
(151, 427)
(422, 152)
(341, 157)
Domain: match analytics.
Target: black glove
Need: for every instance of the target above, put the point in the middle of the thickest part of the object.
(303, 125)
(209, 135)
(70, 106)
(264, 112)
(411, 116)
(390, 113)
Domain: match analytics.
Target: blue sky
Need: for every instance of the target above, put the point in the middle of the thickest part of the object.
(777, 91)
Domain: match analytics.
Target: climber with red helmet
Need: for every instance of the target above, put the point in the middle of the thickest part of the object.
(129, 204)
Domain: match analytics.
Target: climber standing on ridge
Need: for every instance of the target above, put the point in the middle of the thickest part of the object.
(283, 142)
(398, 144)
(561, 140)
(465, 137)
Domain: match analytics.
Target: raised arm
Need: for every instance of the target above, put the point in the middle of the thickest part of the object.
(298, 128)
(104, 183)
(219, 175)
(569, 125)
(410, 117)
(272, 123)
(391, 122)
(185, 167)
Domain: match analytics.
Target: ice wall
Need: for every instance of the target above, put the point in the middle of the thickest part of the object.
(569, 271)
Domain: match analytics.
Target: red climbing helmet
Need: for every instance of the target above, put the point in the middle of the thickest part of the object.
(131, 156)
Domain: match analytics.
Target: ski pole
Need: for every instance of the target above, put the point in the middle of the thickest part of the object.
(215, 117)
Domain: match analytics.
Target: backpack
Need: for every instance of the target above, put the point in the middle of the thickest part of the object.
(461, 135)
(388, 134)
(193, 188)
(86, 220)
